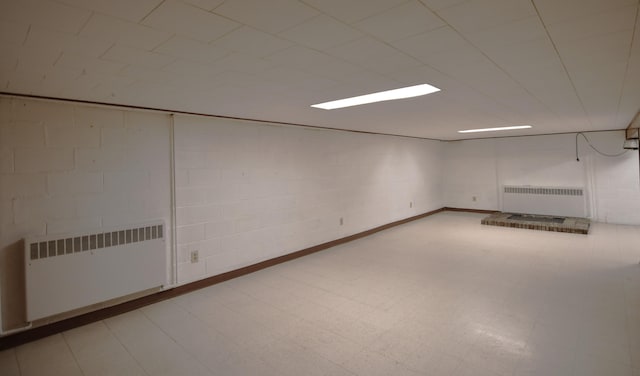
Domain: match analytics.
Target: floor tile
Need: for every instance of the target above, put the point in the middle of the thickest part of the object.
(439, 296)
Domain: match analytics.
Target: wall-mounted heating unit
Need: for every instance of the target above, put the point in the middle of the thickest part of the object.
(560, 201)
(64, 273)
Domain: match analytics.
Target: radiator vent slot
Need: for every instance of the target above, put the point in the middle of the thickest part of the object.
(69, 245)
(81, 269)
(544, 191)
(558, 201)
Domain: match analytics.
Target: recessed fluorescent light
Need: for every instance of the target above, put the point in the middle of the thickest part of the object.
(389, 95)
(495, 129)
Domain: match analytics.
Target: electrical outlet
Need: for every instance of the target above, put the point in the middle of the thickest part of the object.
(341, 221)
(195, 256)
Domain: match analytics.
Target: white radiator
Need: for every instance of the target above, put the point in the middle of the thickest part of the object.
(68, 272)
(561, 201)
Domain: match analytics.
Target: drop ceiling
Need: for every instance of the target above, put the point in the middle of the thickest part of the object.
(559, 65)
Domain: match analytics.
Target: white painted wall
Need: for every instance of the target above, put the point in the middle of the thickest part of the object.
(248, 192)
(72, 167)
(480, 167)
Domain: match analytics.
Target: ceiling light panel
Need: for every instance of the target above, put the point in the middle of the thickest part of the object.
(388, 95)
(495, 129)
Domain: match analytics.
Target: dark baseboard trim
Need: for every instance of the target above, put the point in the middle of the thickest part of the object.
(479, 211)
(104, 313)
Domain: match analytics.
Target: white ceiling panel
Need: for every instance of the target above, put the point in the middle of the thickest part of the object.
(442, 4)
(192, 50)
(114, 30)
(133, 11)
(271, 16)
(505, 36)
(374, 55)
(187, 20)
(315, 62)
(24, 81)
(526, 56)
(554, 11)
(13, 32)
(252, 42)
(560, 65)
(351, 11)
(477, 15)
(187, 67)
(204, 4)
(49, 14)
(133, 56)
(400, 22)
(88, 64)
(40, 38)
(609, 21)
(321, 32)
(291, 77)
(432, 42)
(37, 59)
(241, 63)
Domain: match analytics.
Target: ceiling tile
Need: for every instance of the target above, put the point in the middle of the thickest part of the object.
(8, 59)
(271, 16)
(432, 42)
(295, 79)
(241, 63)
(252, 42)
(59, 81)
(182, 66)
(115, 30)
(442, 4)
(321, 32)
(89, 64)
(610, 21)
(590, 54)
(554, 11)
(204, 4)
(372, 54)
(314, 62)
(187, 20)
(400, 22)
(527, 55)
(24, 82)
(369, 82)
(506, 35)
(41, 38)
(13, 32)
(37, 59)
(133, 11)
(48, 14)
(190, 49)
(133, 56)
(351, 11)
(478, 15)
(164, 76)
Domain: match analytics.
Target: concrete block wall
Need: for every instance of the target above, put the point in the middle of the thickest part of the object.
(479, 168)
(72, 167)
(248, 192)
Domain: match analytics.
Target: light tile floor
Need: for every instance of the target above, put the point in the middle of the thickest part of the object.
(439, 296)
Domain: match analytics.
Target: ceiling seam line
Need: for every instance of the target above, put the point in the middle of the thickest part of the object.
(151, 11)
(77, 33)
(564, 66)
